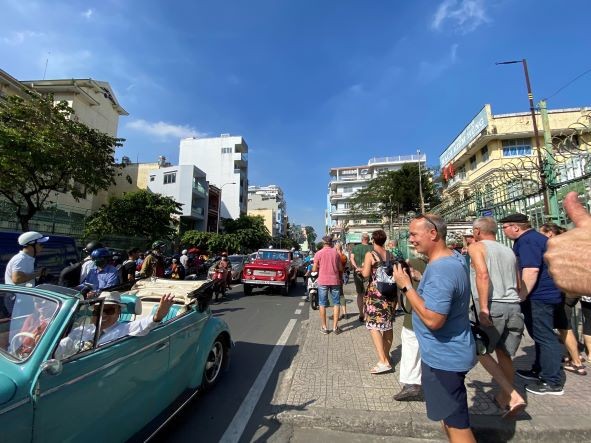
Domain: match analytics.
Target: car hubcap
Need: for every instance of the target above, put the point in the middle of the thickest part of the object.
(214, 361)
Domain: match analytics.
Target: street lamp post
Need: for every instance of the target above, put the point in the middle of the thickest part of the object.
(420, 183)
(220, 204)
(532, 109)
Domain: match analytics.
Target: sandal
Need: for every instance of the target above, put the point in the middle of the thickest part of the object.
(380, 368)
(579, 370)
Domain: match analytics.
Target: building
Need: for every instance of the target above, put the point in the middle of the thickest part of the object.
(225, 161)
(494, 161)
(269, 202)
(187, 185)
(345, 182)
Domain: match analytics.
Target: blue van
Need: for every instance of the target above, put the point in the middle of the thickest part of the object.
(58, 252)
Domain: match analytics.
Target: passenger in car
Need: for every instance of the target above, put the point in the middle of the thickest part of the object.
(82, 337)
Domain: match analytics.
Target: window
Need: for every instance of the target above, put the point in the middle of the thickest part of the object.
(473, 163)
(516, 147)
(484, 154)
(226, 150)
(169, 177)
(152, 178)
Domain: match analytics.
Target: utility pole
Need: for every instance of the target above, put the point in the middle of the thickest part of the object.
(420, 183)
(549, 164)
(532, 109)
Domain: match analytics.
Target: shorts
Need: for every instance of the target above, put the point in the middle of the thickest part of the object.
(507, 328)
(335, 295)
(360, 283)
(445, 396)
(586, 311)
(563, 316)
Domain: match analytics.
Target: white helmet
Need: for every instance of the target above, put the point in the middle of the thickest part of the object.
(184, 252)
(30, 238)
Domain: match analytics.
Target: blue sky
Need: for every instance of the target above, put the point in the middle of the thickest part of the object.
(309, 84)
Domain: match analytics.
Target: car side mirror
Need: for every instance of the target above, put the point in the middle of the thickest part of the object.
(52, 367)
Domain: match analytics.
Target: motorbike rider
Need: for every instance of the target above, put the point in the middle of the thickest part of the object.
(153, 265)
(88, 263)
(103, 274)
(20, 269)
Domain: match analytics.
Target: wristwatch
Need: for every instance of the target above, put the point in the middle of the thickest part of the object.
(405, 289)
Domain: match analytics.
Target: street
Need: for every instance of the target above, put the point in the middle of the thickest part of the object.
(257, 323)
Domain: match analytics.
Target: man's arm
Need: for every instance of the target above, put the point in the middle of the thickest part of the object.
(433, 320)
(477, 253)
(19, 277)
(529, 277)
(353, 262)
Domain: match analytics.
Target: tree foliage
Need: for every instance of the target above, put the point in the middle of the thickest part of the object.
(141, 214)
(43, 150)
(310, 235)
(394, 193)
(245, 234)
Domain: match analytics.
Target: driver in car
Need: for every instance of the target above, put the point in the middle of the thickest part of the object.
(81, 338)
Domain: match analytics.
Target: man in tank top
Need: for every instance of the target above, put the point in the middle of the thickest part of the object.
(494, 284)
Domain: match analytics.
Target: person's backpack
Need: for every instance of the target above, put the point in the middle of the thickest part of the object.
(70, 275)
(384, 279)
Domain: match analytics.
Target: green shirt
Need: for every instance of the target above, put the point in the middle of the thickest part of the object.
(359, 252)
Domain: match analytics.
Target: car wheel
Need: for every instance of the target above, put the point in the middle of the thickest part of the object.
(247, 289)
(285, 289)
(216, 358)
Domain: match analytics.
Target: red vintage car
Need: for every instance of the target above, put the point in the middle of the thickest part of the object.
(271, 267)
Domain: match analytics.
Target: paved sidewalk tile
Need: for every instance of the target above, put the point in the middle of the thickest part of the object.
(330, 375)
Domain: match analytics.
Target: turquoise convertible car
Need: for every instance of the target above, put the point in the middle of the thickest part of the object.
(103, 391)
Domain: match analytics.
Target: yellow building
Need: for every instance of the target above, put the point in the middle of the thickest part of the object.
(268, 215)
(494, 160)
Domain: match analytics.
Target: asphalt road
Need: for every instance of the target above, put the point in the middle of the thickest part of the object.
(233, 411)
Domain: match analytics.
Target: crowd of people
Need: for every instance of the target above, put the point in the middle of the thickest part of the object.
(461, 309)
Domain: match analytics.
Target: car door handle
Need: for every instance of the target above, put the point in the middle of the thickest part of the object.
(162, 346)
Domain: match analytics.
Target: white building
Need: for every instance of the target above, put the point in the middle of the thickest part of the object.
(345, 182)
(187, 185)
(269, 198)
(225, 161)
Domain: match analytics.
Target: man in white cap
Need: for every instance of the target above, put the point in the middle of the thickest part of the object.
(20, 270)
(111, 329)
(184, 259)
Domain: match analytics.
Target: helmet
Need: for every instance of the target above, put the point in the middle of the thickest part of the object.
(99, 253)
(30, 238)
(184, 252)
(91, 246)
(158, 244)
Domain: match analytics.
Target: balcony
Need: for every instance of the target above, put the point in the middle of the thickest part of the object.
(199, 189)
(240, 160)
(197, 213)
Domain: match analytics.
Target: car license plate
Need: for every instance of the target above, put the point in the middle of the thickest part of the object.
(262, 272)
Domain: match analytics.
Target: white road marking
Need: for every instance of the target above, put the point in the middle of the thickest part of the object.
(242, 416)
(298, 312)
(304, 297)
(301, 303)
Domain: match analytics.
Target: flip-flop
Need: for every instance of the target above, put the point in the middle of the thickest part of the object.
(579, 370)
(380, 368)
(514, 410)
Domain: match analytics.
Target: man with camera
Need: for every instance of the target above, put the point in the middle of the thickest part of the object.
(493, 277)
(442, 326)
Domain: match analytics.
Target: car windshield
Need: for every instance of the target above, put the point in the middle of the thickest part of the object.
(23, 321)
(274, 255)
(236, 259)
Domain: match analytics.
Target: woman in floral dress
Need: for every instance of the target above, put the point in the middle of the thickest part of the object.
(379, 312)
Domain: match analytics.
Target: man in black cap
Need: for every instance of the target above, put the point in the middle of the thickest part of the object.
(541, 299)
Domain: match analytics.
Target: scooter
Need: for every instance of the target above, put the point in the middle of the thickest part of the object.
(313, 290)
(219, 283)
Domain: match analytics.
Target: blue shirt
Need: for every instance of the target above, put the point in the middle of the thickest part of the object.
(445, 288)
(529, 249)
(102, 279)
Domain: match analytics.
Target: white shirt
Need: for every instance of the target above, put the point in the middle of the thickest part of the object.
(21, 262)
(75, 341)
(184, 260)
(85, 268)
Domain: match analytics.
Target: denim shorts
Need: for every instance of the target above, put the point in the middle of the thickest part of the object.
(445, 396)
(335, 295)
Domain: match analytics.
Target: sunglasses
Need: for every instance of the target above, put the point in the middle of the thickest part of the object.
(429, 220)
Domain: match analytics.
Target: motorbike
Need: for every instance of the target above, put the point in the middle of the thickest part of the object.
(313, 290)
(219, 283)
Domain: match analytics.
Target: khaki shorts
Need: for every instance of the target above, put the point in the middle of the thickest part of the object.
(507, 328)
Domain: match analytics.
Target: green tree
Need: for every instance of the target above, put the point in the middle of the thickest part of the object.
(310, 235)
(140, 213)
(198, 239)
(43, 150)
(394, 193)
(250, 231)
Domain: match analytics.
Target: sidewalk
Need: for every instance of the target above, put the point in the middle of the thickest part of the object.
(329, 386)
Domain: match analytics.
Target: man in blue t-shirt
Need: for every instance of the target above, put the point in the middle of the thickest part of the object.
(442, 326)
(542, 301)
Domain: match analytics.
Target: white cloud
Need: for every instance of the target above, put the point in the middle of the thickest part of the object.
(429, 71)
(88, 13)
(164, 130)
(465, 15)
(19, 37)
